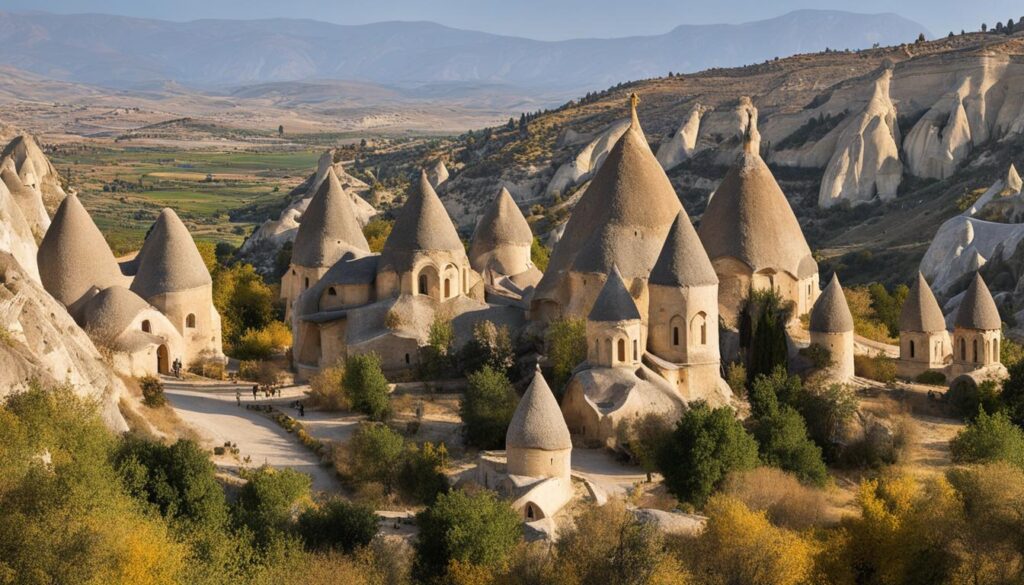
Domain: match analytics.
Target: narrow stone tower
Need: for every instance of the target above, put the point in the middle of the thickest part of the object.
(977, 330)
(537, 443)
(924, 340)
(832, 328)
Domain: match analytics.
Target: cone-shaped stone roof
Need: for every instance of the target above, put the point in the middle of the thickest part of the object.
(328, 229)
(169, 260)
(614, 303)
(683, 261)
(111, 311)
(502, 224)
(422, 224)
(622, 218)
(977, 308)
(538, 422)
(73, 256)
(831, 314)
(921, 311)
(750, 219)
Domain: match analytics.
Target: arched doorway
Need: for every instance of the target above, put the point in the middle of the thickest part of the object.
(163, 361)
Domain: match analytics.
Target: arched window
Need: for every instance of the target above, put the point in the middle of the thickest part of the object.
(995, 350)
(332, 292)
(636, 350)
(146, 326)
(190, 321)
(675, 336)
(911, 348)
(407, 358)
(447, 288)
(963, 349)
(306, 283)
(529, 511)
(622, 350)
(608, 349)
(597, 349)
(699, 328)
(974, 350)
(423, 284)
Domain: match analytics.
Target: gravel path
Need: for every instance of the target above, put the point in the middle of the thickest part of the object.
(212, 410)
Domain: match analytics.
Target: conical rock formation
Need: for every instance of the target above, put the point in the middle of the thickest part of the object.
(683, 143)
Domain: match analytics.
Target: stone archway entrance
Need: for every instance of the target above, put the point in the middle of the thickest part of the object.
(163, 361)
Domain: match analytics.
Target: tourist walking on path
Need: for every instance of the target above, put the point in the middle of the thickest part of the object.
(302, 409)
(255, 389)
(238, 396)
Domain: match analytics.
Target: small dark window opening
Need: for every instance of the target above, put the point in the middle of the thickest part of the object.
(332, 292)
(190, 321)
(146, 326)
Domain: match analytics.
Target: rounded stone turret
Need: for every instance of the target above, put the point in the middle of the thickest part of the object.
(831, 327)
(924, 340)
(172, 276)
(977, 330)
(537, 442)
(329, 231)
(615, 337)
(754, 240)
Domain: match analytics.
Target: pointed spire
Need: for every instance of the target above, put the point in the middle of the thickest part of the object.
(328, 230)
(169, 260)
(683, 261)
(502, 224)
(422, 224)
(634, 101)
(1013, 181)
(538, 422)
(831, 314)
(921, 312)
(977, 308)
(73, 256)
(614, 303)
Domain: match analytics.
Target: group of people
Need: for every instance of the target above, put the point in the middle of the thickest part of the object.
(269, 391)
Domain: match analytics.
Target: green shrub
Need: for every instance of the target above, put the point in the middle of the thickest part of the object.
(768, 349)
(736, 377)
(819, 355)
(705, 447)
(248, 369)
(373, 454)
(539, 254)
(421, 478)
(491, 346)
(152, 391)
(784, 443)
(931, 378)
(437, 358)
(487, 408)
(479, 529)
(826, 412)
(988, 439)
(268, 500)
(880, 368)
(365, 386)
(966, 399)
(566, 343)
(260, 344)
(770, 391)
(337, 524)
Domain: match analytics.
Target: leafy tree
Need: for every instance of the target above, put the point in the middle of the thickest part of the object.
(539, 254)
(437, 357)
(1012, 395)
(826, 411)
(705, 446)
(421, 477)
(477, 528)
(260, 344)
(491, 346)
(179, 479)
(769, 391)
(782, 437)
(608, 544)
(243, 300)
(377, 232)
(268, 500)
(374, 454)
(487, 408)
(887, 307)
(566, 344)
(365, 385)
(987, 439)
(768, 348)
(646, 436)
(337, 524)
(152, 391)
(741, 546)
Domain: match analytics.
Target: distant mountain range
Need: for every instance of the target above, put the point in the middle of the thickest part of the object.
(133, 53)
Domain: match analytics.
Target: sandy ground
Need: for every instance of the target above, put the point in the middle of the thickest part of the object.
(601, 468)
(211, 409)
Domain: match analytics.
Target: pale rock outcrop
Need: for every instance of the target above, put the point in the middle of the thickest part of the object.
(865, 162)
(724, 130)
(587, 161)
(1013, 184)
(15, 234)
(682, 144)
(438, 174)
(940, 140)
(34, 169)
(29, 200)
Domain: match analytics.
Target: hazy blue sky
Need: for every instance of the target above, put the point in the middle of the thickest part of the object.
(541, 19)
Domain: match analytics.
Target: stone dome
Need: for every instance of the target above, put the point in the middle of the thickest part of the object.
(614, 303)
(538, 422)
(169, 260)
(977, 309)
(831, 314)
(921, 311)
(683, 261)
(328, 230)
(422, 225)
